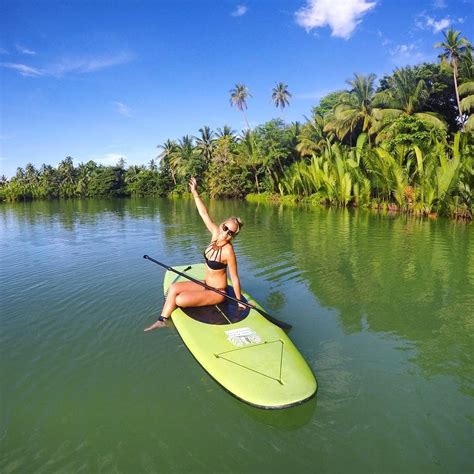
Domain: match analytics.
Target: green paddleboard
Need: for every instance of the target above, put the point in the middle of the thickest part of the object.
(248, 355)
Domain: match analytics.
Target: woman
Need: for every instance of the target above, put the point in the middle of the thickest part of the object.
(219, 255)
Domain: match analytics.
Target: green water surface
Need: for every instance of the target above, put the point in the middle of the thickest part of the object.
(382, 308)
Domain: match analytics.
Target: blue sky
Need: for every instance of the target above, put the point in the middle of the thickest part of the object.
(107, 79)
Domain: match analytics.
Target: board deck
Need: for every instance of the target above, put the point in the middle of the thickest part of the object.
(247, 354)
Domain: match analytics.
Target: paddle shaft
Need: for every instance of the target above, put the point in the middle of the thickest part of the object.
(275, 321)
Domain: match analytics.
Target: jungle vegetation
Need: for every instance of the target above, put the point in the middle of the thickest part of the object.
(404, 143)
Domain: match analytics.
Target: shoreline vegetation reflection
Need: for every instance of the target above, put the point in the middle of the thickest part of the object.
(361, 264)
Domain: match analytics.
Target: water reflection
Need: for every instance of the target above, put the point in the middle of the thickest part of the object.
(381, 308)
(287, 419)
(408, 277)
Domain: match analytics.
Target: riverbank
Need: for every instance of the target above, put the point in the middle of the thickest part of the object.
(460, 214)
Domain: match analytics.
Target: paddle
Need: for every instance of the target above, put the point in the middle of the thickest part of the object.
(275, 321)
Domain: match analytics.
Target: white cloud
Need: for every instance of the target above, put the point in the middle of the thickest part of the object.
(24, 50)
(426, 22)
(24, 70)
(438, 26)
(122, 109)
(407, 54)
(383, 39)
(3, 51)
(241, 10)
(439, 4)
(72, 65)
(85, 65)
(110, 159)
(342, 16)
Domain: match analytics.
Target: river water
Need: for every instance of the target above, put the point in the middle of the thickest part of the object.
(382, 309)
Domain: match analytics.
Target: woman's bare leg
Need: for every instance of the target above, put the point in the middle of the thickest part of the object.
(189, 299)
(174, 291)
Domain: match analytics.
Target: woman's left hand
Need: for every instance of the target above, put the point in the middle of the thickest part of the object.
(193, 185)
(241, 306)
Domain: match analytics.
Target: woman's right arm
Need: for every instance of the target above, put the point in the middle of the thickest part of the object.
(201, 207)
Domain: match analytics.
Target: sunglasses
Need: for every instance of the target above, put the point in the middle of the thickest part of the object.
(228, 231)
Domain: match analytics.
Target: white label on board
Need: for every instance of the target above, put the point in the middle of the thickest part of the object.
(242, 336)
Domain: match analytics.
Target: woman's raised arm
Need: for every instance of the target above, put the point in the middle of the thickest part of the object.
(201, 207)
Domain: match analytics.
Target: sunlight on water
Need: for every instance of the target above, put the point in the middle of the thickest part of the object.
(381, 308)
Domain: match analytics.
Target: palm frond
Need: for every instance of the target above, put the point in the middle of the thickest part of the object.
(433, 119)
(467, 104)
(466, 89)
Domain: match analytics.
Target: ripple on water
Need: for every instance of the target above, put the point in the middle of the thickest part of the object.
(380, 310)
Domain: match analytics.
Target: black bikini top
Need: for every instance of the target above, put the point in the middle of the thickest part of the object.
(213, 254)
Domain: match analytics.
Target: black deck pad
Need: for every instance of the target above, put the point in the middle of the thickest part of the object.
(215, 315)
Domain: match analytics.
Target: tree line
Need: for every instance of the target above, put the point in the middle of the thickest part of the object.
(405, 144)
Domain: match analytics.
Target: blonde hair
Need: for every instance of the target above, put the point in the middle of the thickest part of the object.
(237, 220)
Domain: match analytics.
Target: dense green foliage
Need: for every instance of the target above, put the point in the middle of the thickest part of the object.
(403, 144)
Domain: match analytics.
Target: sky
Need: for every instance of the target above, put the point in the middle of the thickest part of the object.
(109, 79)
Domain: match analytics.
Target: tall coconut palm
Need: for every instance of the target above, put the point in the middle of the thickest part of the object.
(238, 97)
(281, 95)
(453, 47)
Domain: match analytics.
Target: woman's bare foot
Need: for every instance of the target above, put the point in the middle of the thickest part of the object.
(161, 322)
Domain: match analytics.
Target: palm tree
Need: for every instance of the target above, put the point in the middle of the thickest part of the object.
(355, 109)
(454, 47)
(31, 174)
(67, 176)
(84, 175)
(406, 95)
(182, 157)
(167, 150)
(238, 97)
(205, 143)
(226, 131)
(281, 95)
(152, 165)
(250, 156)
(312, 137)
(132, 174)
(20, 174)
(121, 163)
